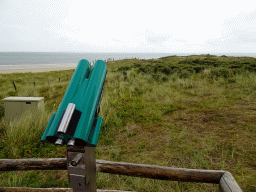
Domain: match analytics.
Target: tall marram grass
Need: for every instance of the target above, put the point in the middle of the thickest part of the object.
(24, 131)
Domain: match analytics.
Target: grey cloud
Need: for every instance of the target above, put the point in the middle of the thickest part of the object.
(179, 40)
(245, 38)
(157, 39)
(153, 37)
(240, 29)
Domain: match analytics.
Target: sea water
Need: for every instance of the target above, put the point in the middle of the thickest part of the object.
(28, 60)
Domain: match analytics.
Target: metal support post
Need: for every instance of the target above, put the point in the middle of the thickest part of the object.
(81, 164)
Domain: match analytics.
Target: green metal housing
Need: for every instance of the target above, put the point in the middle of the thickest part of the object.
(84, 90)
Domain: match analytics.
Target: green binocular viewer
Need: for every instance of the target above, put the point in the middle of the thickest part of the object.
(76, 121)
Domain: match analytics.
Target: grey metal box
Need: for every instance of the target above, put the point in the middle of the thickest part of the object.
(16, 106)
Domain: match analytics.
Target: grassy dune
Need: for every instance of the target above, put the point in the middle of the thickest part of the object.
(188, 112)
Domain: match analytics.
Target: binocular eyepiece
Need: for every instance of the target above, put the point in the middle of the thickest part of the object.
(59, 142)
(76, 121)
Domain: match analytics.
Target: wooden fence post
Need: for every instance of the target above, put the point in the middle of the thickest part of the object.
(14, 85)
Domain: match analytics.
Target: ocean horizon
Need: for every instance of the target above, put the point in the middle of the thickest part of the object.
(28, 60)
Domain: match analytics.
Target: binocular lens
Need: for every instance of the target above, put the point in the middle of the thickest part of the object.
(59, 142)
(71, 142)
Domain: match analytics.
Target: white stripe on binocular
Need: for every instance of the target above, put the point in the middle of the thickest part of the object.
(66, 119)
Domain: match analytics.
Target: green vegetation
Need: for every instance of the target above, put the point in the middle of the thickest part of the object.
(188, 112)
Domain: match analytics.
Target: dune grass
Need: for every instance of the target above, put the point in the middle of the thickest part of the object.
(188, 112)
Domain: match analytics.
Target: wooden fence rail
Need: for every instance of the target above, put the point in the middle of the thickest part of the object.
(223, 178)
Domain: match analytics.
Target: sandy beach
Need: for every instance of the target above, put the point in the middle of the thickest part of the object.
(35, 70)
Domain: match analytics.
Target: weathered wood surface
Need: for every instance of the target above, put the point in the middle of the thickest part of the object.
(25, 189)
(33, 164)
(228, 183)
(159, 172)
(129, 169)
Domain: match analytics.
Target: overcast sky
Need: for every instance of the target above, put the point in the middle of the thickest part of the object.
(128, 26)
